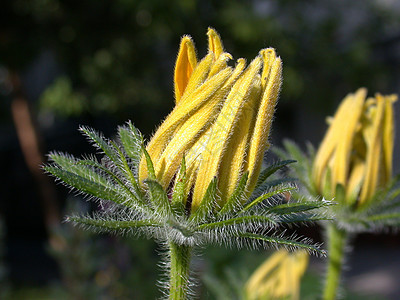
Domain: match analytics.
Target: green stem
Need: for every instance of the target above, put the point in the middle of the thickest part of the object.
(336, 239)
(179, 273)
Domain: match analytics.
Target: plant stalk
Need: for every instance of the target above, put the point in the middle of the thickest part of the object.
(337, 239)
(179, 272)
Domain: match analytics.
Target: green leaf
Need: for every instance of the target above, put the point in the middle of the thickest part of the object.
(291, 208)
(113, 152)
(271, 170)
(137, 199)
(254, 220)
(206, 206)
(94, 188)
(112, 224)
(302, 217)
(266, 196)
(72, 164)
(159, 198)
(393, 218)
(101, 142)
(234, 200)
(273, 183)
(131, 140)
(283, 241)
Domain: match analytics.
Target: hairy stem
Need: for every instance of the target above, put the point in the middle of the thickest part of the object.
(336, 239)
(179, 273)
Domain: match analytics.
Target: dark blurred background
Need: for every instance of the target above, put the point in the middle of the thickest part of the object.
(101, 63)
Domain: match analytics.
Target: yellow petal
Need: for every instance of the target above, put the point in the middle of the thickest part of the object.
(220, 63)
(355, 181)
(346, 125)
(184, 66)
(188, 134)
(259, 140)
(388, 138)
(214, 43)
(235, 159)
(183, 111)
(334, 135)
(222, 129)
(373, 139)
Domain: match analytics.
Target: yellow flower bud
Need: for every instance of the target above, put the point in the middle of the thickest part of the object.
(220, 123)
(278, 277)
(357, 151)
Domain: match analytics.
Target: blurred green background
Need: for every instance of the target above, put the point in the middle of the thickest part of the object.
(100, 63)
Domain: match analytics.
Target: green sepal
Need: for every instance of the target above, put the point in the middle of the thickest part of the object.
(285, 242)
(178, 195)
(266, 196)
(234, 201)
(340, 195)
(206, 207)
(125, 168)
(271, 170)
(131, 140)
(159, 198)
(149, 163)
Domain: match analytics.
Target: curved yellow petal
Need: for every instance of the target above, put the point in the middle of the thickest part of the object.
(373, 139)
(388, 138)
(184, 66)
(235, 159)
(346, 126)
(272, 68)
(222, 129)
(333, 137)
(214, 42)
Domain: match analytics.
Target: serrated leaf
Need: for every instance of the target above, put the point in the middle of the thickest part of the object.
(283, 241)
(206, 206)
